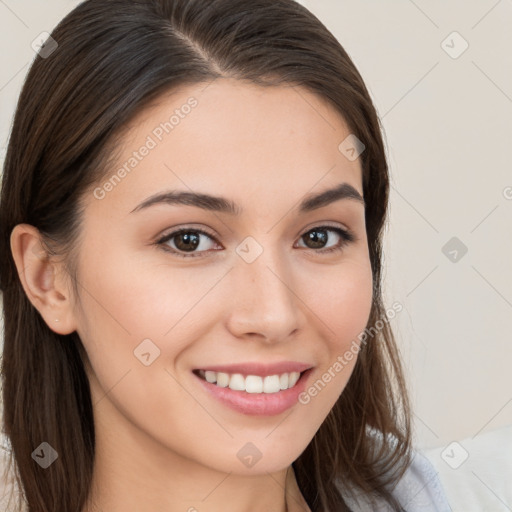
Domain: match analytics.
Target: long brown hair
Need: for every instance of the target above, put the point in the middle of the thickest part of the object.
(111, 60)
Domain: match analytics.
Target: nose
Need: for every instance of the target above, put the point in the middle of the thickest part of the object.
(264, 303)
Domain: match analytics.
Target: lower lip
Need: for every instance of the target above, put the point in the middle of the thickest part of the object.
(258, 404)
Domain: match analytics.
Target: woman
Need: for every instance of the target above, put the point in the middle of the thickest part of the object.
(192, 206)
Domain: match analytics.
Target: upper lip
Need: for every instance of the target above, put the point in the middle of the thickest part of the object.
(261, 369)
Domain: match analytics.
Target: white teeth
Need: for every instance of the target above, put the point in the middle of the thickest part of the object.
(271, 384)
(294, 377)
(252, 383)
(237, 382)
(210, 376)
(222, 379)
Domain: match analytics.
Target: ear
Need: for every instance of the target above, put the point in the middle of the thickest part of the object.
(43, 280)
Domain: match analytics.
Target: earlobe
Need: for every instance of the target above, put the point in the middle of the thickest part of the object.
(39, 277)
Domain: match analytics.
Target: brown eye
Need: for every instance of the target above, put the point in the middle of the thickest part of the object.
(186, 241)
(317, 238)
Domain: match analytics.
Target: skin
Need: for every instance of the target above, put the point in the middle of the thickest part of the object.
(163, 444)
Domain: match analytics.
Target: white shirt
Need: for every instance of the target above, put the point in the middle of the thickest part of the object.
(419, 490)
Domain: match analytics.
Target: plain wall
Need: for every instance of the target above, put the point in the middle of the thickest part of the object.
(447, 120)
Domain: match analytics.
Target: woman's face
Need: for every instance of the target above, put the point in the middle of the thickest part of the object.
(257, 287)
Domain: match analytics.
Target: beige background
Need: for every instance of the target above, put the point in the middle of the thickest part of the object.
(447, 122)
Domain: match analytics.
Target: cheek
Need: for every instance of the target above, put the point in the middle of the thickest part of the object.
(132, 306)
(342, 300)
(137, 297)
(138, 318)
(354, 302)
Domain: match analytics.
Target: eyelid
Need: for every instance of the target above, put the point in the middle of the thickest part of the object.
(210, 233)
(326, 224)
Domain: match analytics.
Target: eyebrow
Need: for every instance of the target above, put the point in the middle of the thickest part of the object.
(223, 205)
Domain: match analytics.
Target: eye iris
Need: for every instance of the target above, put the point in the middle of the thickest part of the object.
(188, 239)
(313, 237)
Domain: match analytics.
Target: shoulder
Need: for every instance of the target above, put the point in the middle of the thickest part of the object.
(11, 499)
(419, 490)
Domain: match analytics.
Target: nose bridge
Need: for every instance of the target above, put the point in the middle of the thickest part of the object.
(264, 301)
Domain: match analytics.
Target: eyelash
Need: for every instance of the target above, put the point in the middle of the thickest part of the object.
(347, 237)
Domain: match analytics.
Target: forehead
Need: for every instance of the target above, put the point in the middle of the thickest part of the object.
(260, 143)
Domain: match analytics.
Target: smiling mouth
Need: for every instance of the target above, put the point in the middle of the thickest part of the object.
(251, 383)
